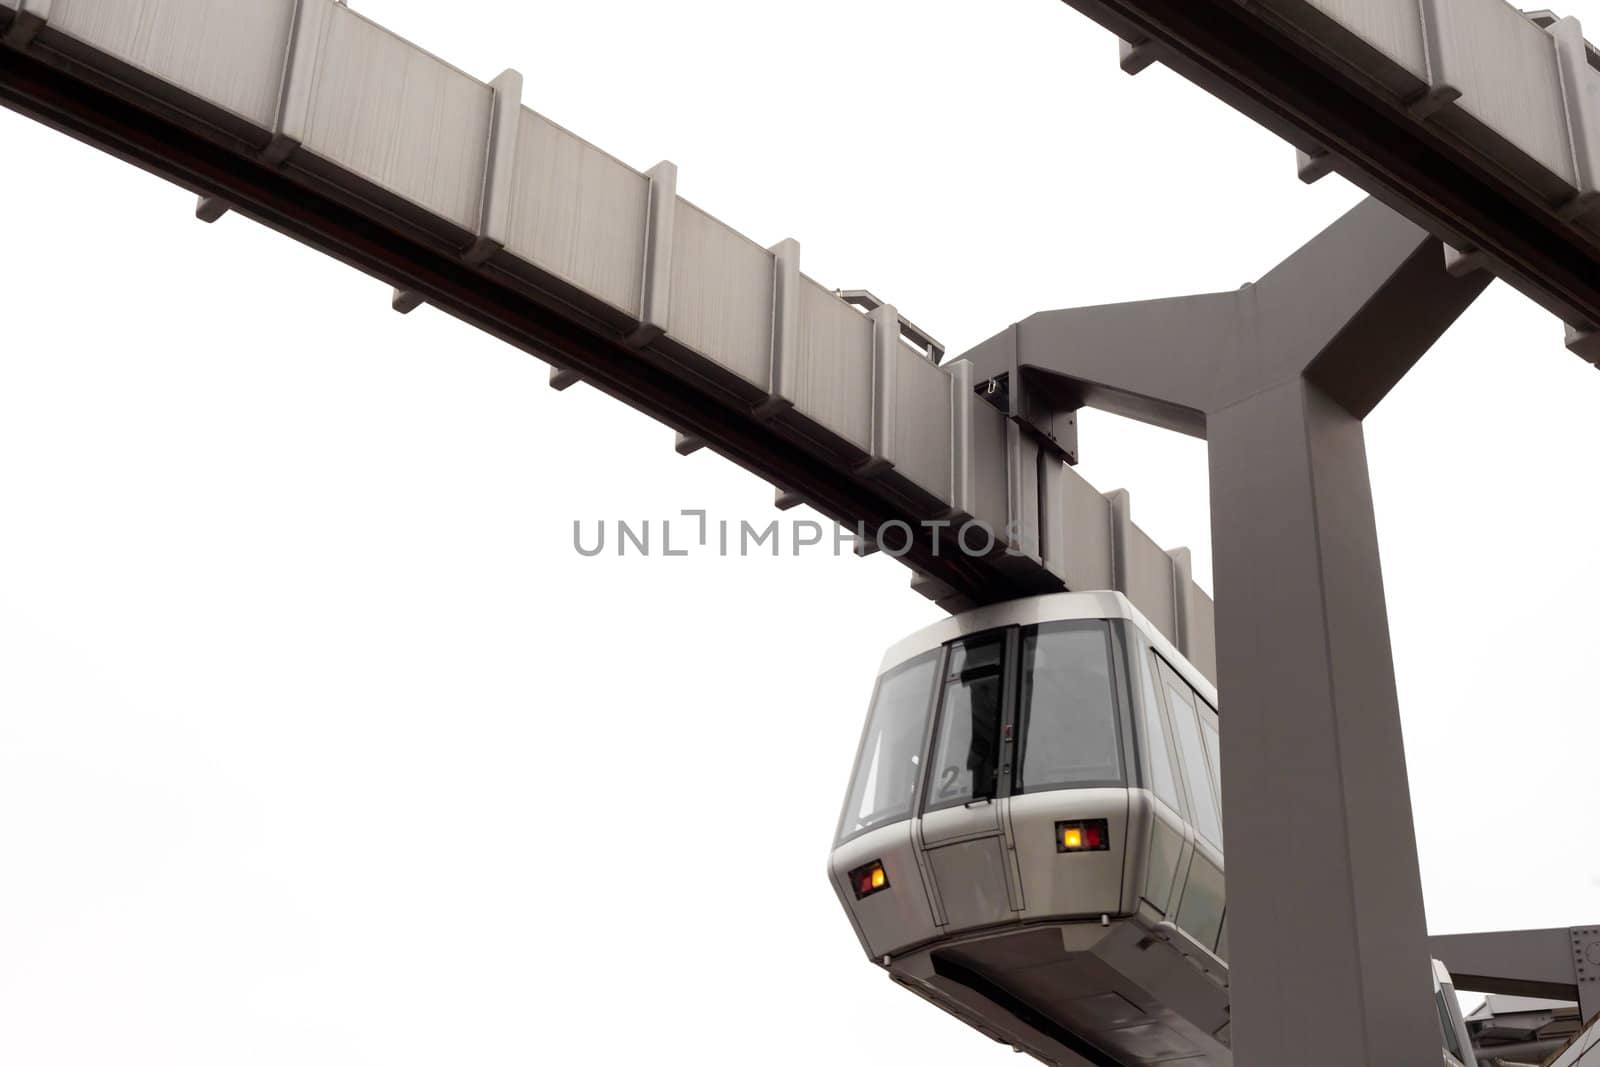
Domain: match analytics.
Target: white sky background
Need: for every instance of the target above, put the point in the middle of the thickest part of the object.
(320, 744)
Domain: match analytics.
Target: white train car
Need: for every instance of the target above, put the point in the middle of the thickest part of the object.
(1032, 835)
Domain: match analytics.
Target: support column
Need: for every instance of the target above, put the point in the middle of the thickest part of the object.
(1326, 930)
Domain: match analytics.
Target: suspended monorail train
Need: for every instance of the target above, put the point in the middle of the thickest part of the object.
(1032, 835)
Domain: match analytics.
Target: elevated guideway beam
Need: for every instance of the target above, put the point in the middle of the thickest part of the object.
(311, 119)
(1475, 121)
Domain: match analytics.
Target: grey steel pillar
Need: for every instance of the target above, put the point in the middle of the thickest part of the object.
(1324, 896)
(1325, 915)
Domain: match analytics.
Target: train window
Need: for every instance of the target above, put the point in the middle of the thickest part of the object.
(1186, 727)
(966, 755)
(885, 780)
(1067, 718)
(1163, 780)
(1447, 1024)
(1208, 730)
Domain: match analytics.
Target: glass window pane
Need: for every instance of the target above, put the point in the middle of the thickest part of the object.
(967, 752)
(1202, 799)
(1067, 721)
(1163, 780)
(1451, 1043)
(885, 780)
(1214, 749)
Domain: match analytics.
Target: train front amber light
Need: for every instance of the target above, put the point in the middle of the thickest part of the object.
(869, 879)
(1089, 835)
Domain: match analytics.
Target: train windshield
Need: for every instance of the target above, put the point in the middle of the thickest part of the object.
(885, 780)
(1067, 713)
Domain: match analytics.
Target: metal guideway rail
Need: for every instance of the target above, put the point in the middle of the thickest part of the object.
(1476, 121)
(493, 214)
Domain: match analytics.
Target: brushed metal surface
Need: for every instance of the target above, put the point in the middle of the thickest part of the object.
(494, 205)
(989, 471)
(919, 445)
(578, 213)
(1082, 540)
(400, 118)
(833, 376)
(1054, 886)
(227, 52)
(1580, 89)
(1393, 27)
(886, 922)
(971, 883)
(1149, 580)
(1505, 67)
(722, 295)
(1203, 633)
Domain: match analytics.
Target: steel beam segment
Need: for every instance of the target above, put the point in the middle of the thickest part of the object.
(963, 457)
(542, 322)
(499, 168)
(1580, 93)
(1312, 167)
(885, 380)
(1521, 963)
(30, 18)
(307, 32)
(1279, 75)
(656, 286)
(781, 379)
(1586, 965)
(1137, 58)
(405, 301)
(1585, 342)
(1022, 494)
(1182, 598)
(209, 209)
(1441, 88)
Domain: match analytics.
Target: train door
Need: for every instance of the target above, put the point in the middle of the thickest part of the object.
(962, 825)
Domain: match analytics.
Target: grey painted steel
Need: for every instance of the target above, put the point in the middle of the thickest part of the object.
(500, 167)
(209, 209)
(1563, 963)
(405, 301)
(1473, 119)
(1277, 377)
(341, 107)
(928, 347)
(234, 62)
(579, 215)
(401, 141)
(718, 300)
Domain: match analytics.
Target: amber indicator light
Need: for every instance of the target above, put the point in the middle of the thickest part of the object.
(869, 879)
(1088, 835)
